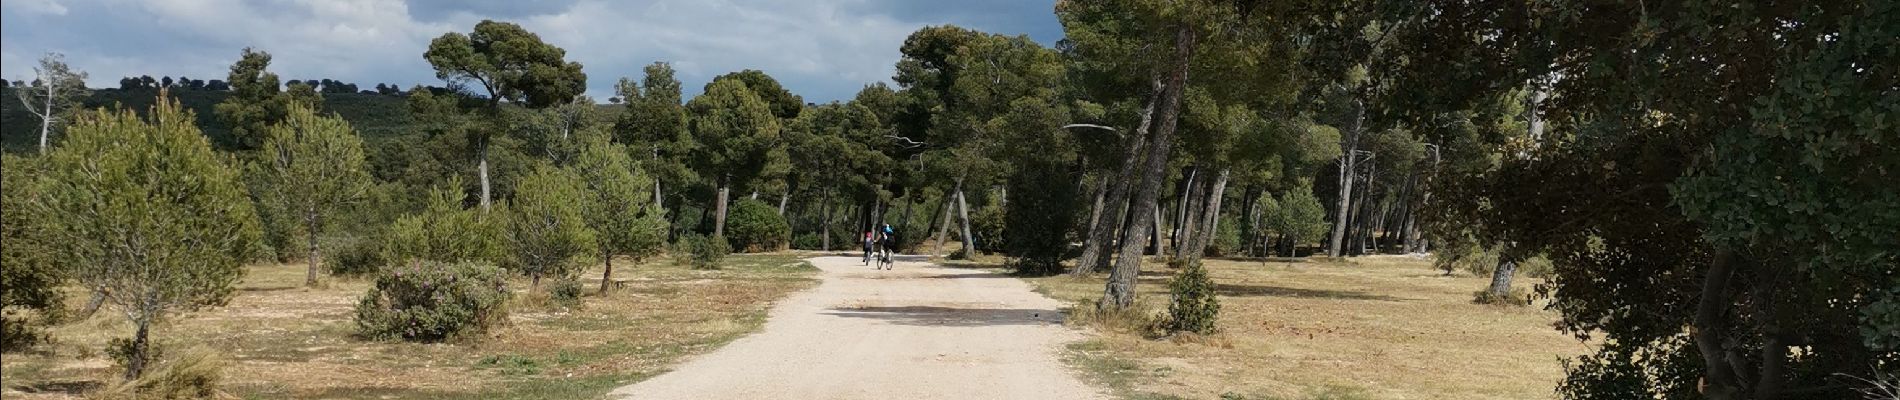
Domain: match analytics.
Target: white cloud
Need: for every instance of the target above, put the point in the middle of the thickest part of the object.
(821, 49)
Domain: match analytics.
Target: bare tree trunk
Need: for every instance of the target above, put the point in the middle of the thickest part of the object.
(1185, 217)
(1719, 379)
(1501, 276)
(782, 200)
(943, 230)
(719, 210)
(1210, 218)
(46, 119)
(824, 212)
(1095, 207)
(310, 277)
(1347, 164)
(963, 208)
(606, 275)
(481, 168)
(1106, 224)
(141, 350)
(1119, 293)
(658, 198)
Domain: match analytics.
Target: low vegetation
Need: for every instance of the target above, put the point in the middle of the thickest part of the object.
(1385, 327)
(279, 339)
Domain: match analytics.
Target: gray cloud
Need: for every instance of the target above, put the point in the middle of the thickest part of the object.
(821, 49)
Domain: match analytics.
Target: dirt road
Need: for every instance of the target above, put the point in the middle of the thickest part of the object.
(915, 332)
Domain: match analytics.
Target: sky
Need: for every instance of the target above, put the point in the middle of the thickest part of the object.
(823, 50)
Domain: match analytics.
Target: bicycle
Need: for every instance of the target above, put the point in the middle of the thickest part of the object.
(884, 258)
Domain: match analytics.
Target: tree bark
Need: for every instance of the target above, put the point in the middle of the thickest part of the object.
(46, 120)
(1347, 164)
(719, 210)
(1501, 276)
(1185, 217)
(963, 208)
(1103, 228)
(310, 277)
(824, 212)
(943, 230)
(782, 200)
(1210, 218)
(481, 168)
(1719, 381)
(1119, 292)
(141, 350)
(606, 275)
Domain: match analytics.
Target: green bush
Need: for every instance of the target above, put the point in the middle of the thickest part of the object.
(433, 301)
(565, 292)
(1039, 216)
(445, 232)
(700, 251)
(808, 241)
(1193, 307)
(357, 256)
(753, 226)
(29, 275)
(1226, 238)
(988, 226)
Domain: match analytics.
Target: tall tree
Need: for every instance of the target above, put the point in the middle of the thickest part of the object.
(546, 230)
(654, 126)
(256, 102)
(1739, 168)
(615, 204)
(509, 64)
(315, 167)
(736, 132)
(162, 226)
(56, 89)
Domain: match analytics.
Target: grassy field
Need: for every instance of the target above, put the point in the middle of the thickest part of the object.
(1386, 327)
(286, 341)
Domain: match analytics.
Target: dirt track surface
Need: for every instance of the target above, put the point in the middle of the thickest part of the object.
(918, 331)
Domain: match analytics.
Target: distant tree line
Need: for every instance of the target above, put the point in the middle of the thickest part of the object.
(324, 86)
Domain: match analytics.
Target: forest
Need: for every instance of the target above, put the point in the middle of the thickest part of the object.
(1705, 191)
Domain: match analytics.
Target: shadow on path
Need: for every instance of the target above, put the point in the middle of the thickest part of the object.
(946, 316)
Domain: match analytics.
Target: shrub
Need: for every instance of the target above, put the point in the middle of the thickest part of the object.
(807, 241)
(565, 292)
(358, 256)
(753, 226)
(1193, 306)
(196, 374)
(29, 275)
(444, 231)
(1226, 238)
(433, 301)
(708, 251)
(987, 225)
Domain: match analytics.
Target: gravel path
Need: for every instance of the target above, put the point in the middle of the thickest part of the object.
(916, 332)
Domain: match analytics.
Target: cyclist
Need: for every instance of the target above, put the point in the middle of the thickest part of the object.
(867, 247)
(887, 241)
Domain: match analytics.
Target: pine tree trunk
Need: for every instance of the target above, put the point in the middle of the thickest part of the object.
(1102, 230)
(824, 212)
(310, 277)
(1210, 218)
(719, 210)
(141, 350)
(606, 275)
(481, 168)
(1719, 377)
(46, 119)
(1346, 165)
(1119, 293)
(963, 208)
(1501, 277)
(943, 229)
(1185, 215)
(783, 200)
(657, 196)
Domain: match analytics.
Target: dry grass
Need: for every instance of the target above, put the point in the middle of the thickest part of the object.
(1368, 328)
(282, 340)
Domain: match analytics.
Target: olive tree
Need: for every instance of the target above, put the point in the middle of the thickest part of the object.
(161, 226)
